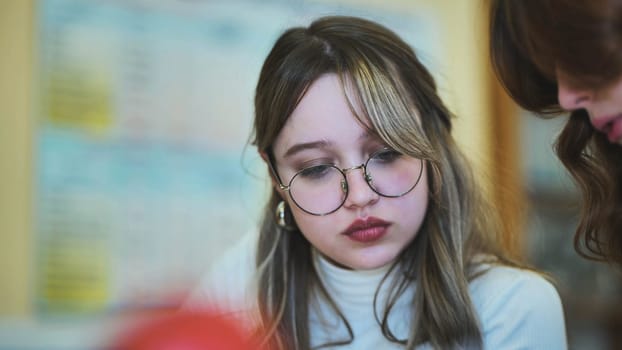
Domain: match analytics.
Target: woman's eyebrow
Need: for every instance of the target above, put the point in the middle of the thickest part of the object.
(322, 144)
(299, 147)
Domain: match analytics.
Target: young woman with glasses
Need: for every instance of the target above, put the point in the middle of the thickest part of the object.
(375, 235)
(556, 56)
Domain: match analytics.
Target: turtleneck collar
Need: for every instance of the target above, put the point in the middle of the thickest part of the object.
(350, 286)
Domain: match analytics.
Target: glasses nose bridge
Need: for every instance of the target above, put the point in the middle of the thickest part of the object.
(361, 166)
(345, 172)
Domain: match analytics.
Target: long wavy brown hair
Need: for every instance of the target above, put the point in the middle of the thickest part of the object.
(529, 40)
(394, 91)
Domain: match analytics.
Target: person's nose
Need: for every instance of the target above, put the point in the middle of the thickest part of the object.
(360, 193)
(572, 97)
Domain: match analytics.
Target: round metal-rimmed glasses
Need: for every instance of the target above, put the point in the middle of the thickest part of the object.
(322, 189)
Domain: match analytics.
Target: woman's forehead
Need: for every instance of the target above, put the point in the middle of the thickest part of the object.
(323, 114)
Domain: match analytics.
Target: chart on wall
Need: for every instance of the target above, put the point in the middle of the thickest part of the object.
(144, 173)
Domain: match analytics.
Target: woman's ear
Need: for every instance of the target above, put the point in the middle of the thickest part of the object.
(264, 156)
(271, 171)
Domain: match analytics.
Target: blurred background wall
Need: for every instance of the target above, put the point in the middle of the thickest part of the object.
(125, 171)
(16, 129)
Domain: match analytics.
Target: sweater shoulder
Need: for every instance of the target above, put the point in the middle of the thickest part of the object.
(518, 309)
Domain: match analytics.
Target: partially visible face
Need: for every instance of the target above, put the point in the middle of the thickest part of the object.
(323, 130)
(604, 105)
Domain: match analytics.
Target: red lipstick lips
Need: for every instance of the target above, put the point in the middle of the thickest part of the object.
(610, 125)
(614, 132)
(367, 230)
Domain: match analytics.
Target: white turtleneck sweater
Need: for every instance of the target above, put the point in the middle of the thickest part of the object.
(517, 309)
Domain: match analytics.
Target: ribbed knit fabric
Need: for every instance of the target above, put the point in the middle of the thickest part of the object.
(353, 292)
(517, 309)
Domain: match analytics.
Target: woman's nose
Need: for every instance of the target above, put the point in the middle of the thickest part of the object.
(359, 192)
(572, 97)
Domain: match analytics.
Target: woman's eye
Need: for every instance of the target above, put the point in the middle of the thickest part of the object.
(387, 156)
(315, 172)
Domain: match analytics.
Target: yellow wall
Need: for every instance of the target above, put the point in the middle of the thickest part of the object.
(16, 128)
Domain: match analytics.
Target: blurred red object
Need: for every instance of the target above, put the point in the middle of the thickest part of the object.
(185, 331)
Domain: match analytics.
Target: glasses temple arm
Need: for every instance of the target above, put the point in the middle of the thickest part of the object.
(272, 167)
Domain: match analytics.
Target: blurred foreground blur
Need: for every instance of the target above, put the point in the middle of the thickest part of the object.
(183, 331)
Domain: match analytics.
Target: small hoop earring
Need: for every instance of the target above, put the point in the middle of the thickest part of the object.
(280, 214)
